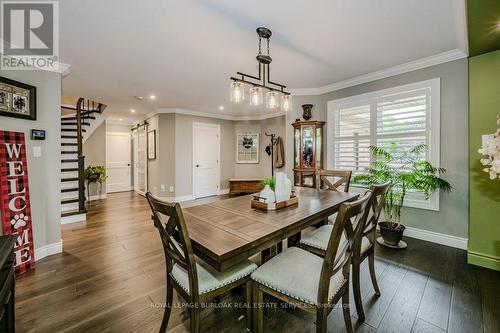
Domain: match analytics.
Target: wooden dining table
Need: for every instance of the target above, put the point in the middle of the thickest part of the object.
(226, 232)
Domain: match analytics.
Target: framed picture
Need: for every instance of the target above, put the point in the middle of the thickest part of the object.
(152, 145)
(17, 99)
(247, 148)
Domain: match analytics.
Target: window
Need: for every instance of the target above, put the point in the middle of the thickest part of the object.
(395, 118)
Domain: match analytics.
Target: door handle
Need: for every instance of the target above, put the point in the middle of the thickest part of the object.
(197, 165)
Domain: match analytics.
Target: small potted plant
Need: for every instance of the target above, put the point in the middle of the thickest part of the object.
(95, 174)
(267, 193)
(406, 171)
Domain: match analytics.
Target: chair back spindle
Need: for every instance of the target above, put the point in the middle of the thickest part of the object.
(377, 202)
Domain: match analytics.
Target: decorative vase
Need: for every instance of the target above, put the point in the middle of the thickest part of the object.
(307, 114)
(283, 187)
(267, 194)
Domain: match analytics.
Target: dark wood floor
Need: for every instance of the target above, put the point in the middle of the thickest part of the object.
(110, 278)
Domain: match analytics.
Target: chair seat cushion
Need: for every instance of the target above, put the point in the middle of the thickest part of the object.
(296, 273)
(319, 238)
(209, 279)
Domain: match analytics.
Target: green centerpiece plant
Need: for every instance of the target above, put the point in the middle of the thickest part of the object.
(407, 171)
(271, 181)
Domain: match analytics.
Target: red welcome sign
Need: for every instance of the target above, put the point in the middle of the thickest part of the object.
(15, 198)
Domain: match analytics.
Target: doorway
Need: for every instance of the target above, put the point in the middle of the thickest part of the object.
(140, 160)
(118, 162)
(206, 157)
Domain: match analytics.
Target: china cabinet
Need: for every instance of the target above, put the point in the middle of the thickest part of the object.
(308, 151)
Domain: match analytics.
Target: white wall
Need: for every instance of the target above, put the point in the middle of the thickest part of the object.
(263, 168)
(44, 172)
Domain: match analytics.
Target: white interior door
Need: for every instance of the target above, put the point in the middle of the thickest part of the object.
(140, 161)
(118, 159)
(206, 156)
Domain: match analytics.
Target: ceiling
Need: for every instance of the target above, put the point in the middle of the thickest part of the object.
(184, 51)
(483, 22)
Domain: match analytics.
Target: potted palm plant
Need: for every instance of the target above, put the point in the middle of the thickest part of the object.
(406, 171)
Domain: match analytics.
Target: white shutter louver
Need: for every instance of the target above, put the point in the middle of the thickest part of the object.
(352, 138)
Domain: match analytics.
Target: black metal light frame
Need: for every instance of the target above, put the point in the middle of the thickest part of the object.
(264, 65)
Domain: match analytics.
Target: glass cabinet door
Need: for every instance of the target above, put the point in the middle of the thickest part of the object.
(319, 153)
(308, 139)
(296, 161)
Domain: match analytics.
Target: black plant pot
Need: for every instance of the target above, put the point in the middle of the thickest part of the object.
(392, 234)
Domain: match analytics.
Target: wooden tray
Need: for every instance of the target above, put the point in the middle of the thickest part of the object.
(274, 205)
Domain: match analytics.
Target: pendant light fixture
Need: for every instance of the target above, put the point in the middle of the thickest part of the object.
(275, 92)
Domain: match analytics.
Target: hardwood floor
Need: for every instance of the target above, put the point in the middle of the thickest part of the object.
(110, 278)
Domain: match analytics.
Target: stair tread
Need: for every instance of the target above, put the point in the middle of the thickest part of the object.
(74, 118)
(72, 130)
(73, 212)
(69, 179)
(69, 152)
(69, 161)
(74, 124)
(69, 144)
(65, 190)
(68, 137)
(69, 169)
(68, 201)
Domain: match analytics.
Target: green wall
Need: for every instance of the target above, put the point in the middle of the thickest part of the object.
(484, 106)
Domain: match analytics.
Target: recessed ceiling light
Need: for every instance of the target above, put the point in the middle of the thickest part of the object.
(121, 119)
(152, 96)
(221, 107)
(132, 110)
(140, 98)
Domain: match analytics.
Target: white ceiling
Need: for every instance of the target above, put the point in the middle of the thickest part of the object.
(184, 51)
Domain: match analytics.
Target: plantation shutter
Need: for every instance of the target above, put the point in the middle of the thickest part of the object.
(396, 119)
(352, 138)
(402, 120)
(394, 122)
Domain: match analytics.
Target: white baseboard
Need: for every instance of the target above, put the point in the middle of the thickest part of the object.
(224, 191)
(96, 197)
(184, 198)
(435, 237)
(48, 250)
(74, 219)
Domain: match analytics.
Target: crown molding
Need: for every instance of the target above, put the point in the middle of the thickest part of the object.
(384, 73)
(113, 121)
(213, 115)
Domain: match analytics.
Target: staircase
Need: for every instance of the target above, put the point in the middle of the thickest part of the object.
(75, 129)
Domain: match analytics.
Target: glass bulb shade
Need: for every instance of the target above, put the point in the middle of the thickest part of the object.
(237, 92)
(286, 102)
(256, 96)
(272, 100)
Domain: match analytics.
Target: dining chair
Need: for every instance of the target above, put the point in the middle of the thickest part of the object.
(196, 282)
(334, 180)
(317, 242)
(308, 281)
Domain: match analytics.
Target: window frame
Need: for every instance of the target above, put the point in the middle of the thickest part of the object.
(415, 200)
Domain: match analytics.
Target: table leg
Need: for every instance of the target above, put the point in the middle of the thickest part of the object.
(267, 254)
(293, 240)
